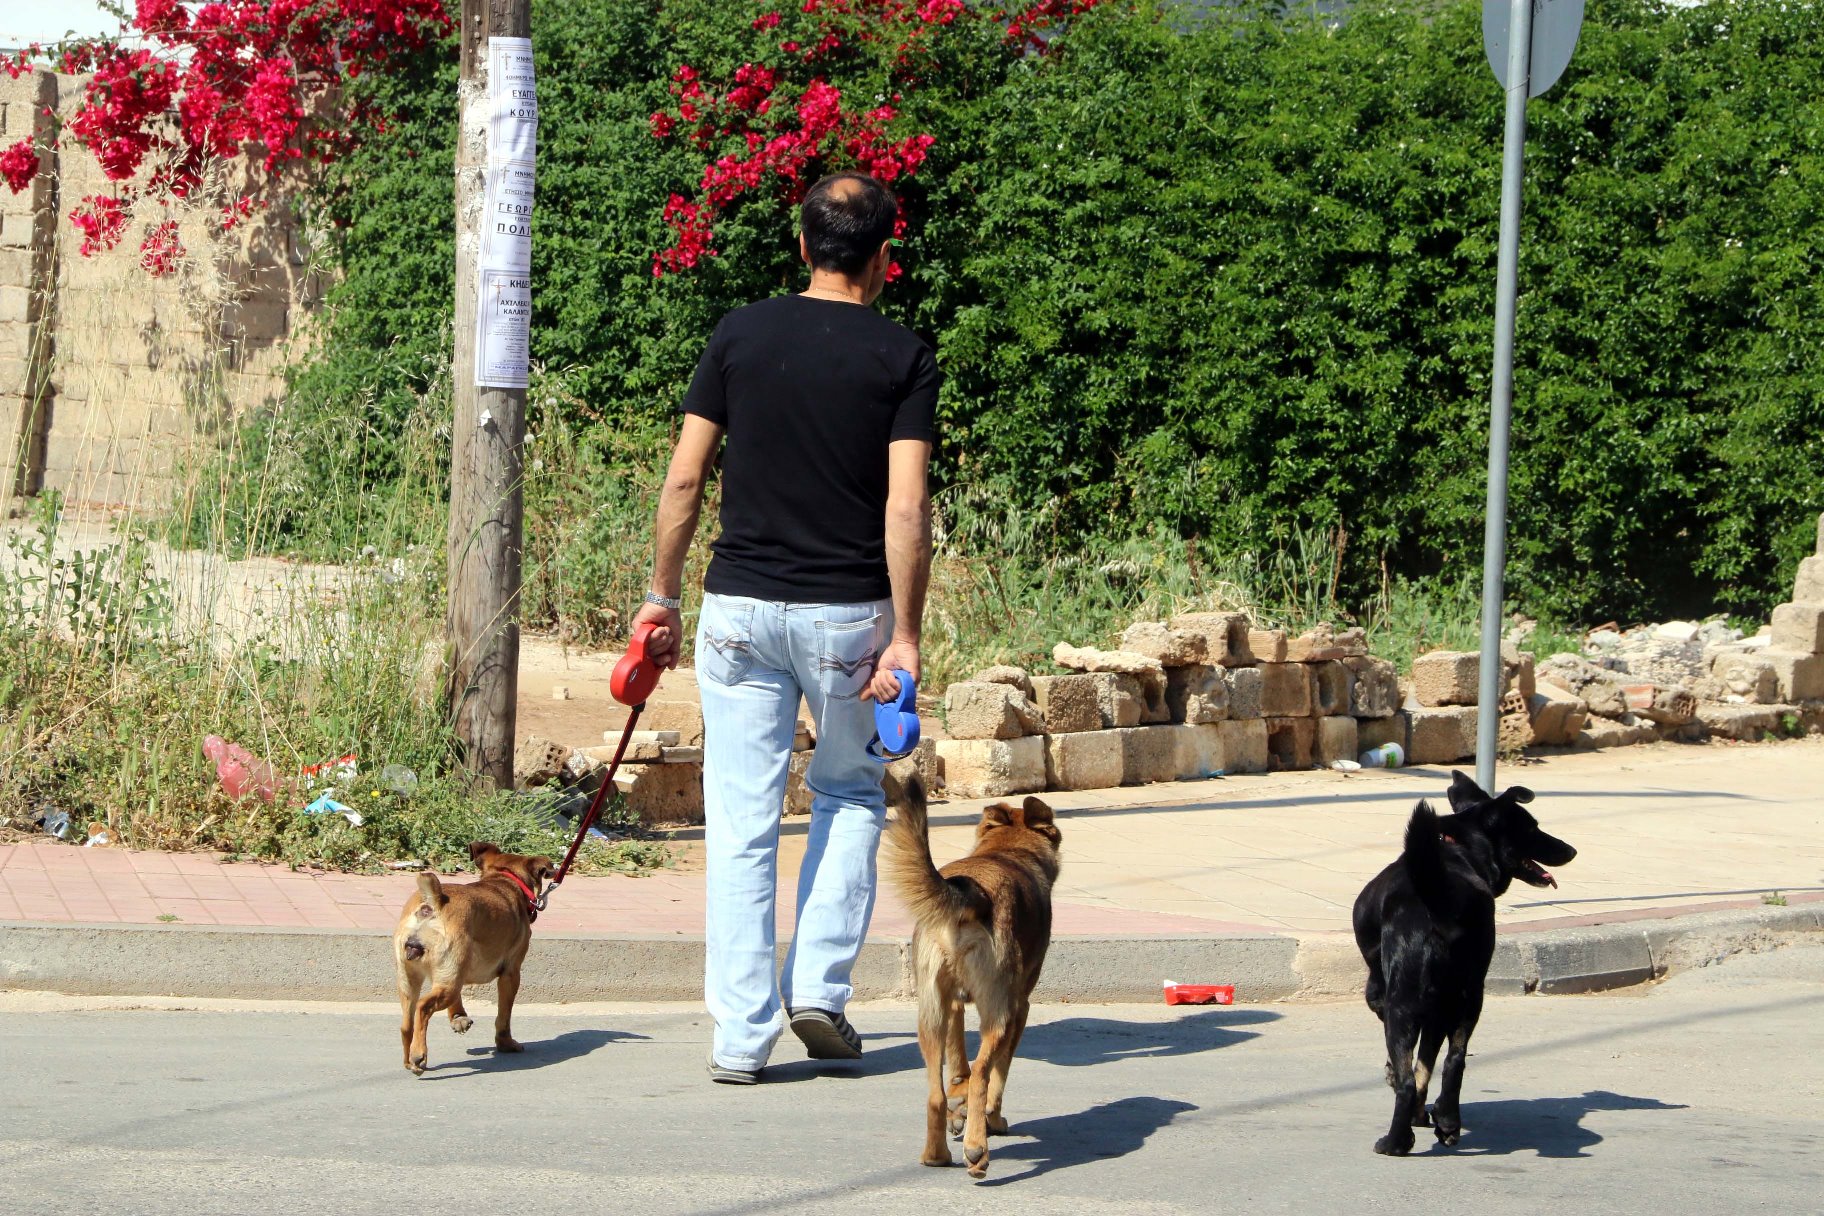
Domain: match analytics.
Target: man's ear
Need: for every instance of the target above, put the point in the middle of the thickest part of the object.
(804, 251)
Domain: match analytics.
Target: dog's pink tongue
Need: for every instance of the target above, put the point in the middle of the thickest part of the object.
(1547, 875)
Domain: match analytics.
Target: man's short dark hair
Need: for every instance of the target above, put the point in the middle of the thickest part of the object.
(845, 219)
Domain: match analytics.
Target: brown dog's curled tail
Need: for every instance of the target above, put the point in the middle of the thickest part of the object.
(931, 899)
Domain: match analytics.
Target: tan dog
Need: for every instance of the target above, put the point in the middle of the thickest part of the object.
(452, 936)
(983, 926)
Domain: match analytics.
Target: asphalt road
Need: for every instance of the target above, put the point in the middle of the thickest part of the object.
(1700, 1095)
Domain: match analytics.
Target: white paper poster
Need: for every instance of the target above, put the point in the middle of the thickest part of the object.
(503, 330)
(503, 316)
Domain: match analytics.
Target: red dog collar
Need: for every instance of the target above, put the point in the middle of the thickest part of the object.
(531, 899)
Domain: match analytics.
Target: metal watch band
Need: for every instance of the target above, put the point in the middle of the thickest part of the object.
(663, 601)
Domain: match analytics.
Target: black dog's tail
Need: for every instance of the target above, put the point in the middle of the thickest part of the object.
(1424, 857)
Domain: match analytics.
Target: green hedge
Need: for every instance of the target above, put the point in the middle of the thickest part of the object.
(1233, 276)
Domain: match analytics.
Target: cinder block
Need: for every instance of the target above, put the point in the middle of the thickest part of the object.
(992, 768)
(1244, 744)
(1172, 647)
(1086, 760)
(1267, 645)
(1225, 636)
(1441, 736)
(664, 793)
(1374, 687)
(684, 717)
(1329, 687)
(1799, 676)
(1199, 751)
(1246, 687)
(1799, 627)
(537, 761)
(1070, 704)
(1285, 690)
(1808, 587)
(1394, 728)
(1338, 738)
(1148, 754)
(1197, 694)
(1446, 677)
(987, 711)
(1291, 742)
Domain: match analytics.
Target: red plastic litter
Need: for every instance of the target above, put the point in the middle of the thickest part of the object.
(1199, 994)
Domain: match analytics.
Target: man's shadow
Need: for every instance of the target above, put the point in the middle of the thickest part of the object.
(1100, 1133)
(1550, 1127)
(482, 1058)
(1070, 1042)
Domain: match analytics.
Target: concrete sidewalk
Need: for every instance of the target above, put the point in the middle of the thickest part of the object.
(1252, 875)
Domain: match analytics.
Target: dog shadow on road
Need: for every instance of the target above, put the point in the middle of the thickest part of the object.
(543, 1053)
(1549, 1127)
(1113, 1129)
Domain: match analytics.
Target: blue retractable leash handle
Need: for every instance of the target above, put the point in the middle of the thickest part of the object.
(896, 722)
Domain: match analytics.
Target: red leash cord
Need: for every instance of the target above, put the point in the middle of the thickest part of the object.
(595, 805)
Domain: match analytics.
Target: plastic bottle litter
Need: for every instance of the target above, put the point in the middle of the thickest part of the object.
(56, 822)
(1346, 766)
(239, 770)
(1387, 755)
(399, 779)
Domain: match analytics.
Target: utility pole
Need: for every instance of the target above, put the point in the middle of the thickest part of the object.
(487, 511)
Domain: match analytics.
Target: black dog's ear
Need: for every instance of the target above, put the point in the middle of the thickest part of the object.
(1464, 793)
(1519, 793)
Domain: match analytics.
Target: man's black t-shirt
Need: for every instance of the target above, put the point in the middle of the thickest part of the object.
(810, 392)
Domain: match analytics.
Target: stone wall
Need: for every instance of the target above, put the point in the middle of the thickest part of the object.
(108, 374)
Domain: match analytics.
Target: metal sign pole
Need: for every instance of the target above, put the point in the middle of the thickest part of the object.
(1501, 395)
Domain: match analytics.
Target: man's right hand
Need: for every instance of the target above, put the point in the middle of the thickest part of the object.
(664, 647)
(900, 655)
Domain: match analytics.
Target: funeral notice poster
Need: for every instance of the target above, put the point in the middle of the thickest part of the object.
(504, 313)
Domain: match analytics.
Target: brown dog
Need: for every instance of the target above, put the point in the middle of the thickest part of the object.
(983, 926)
(452, 936)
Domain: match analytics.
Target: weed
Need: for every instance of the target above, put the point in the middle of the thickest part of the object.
(1774, 899)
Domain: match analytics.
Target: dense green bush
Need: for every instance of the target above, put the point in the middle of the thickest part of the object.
(1231, 277)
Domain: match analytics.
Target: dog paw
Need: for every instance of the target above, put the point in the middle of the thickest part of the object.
(997, 1125)
(977, 1157)
(508, 1045)
(1394, 1146)
(1448, 1135)
(416, 1064)
(461, 1023)
(1421, 1117)
(938, 1158)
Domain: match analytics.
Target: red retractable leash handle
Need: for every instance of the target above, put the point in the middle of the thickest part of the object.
(634, 679)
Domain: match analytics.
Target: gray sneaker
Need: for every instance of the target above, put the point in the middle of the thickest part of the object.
(826, 1035)
(721, 1074)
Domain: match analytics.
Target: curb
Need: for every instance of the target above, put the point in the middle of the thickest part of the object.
(356, 965)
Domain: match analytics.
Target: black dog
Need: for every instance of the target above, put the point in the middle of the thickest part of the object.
(1426, 926)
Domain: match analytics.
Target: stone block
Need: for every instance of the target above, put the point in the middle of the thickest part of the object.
(1808, 587)
(1246, 687)
(1087, 760)
(684, 717)
(1748, 723)
(1291, 742)
(798, 796)
(1338, 738)
(1518, 670)
(987, 711)
(1014, 677)
(1070, 704)
(1148, 673)
(1267, 645)
(1747, 678)
(1155, 710)
(537, 761)
(1799, 627)
(1148, 754)
(1329, 688)
(1798, 676)
(1172, 647)
(1600, 689)
(1244, 745)
(1604, 733)
(1199, 751)
(1197, 694)
(1285, 690)
(1374, 687)
(1557, 716)
(1225, 636)
(922, 763)
(1372, 732)
(639, 751)
(1446, 677)
(1120, 701)
(1441, 735)
(1315, 646)
(992, 768)
(664, 793)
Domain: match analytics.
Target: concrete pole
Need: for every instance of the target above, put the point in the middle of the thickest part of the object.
(1501, 394)
(487, 449)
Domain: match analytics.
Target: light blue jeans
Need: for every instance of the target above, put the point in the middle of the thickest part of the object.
(755, 659)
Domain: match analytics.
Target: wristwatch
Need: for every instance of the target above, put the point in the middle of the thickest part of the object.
(663, 601)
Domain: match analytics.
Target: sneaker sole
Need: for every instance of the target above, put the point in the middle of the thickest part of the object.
(732, 1076)
(821, 1039)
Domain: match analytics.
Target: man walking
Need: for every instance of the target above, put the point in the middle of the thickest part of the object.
(816, 590)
